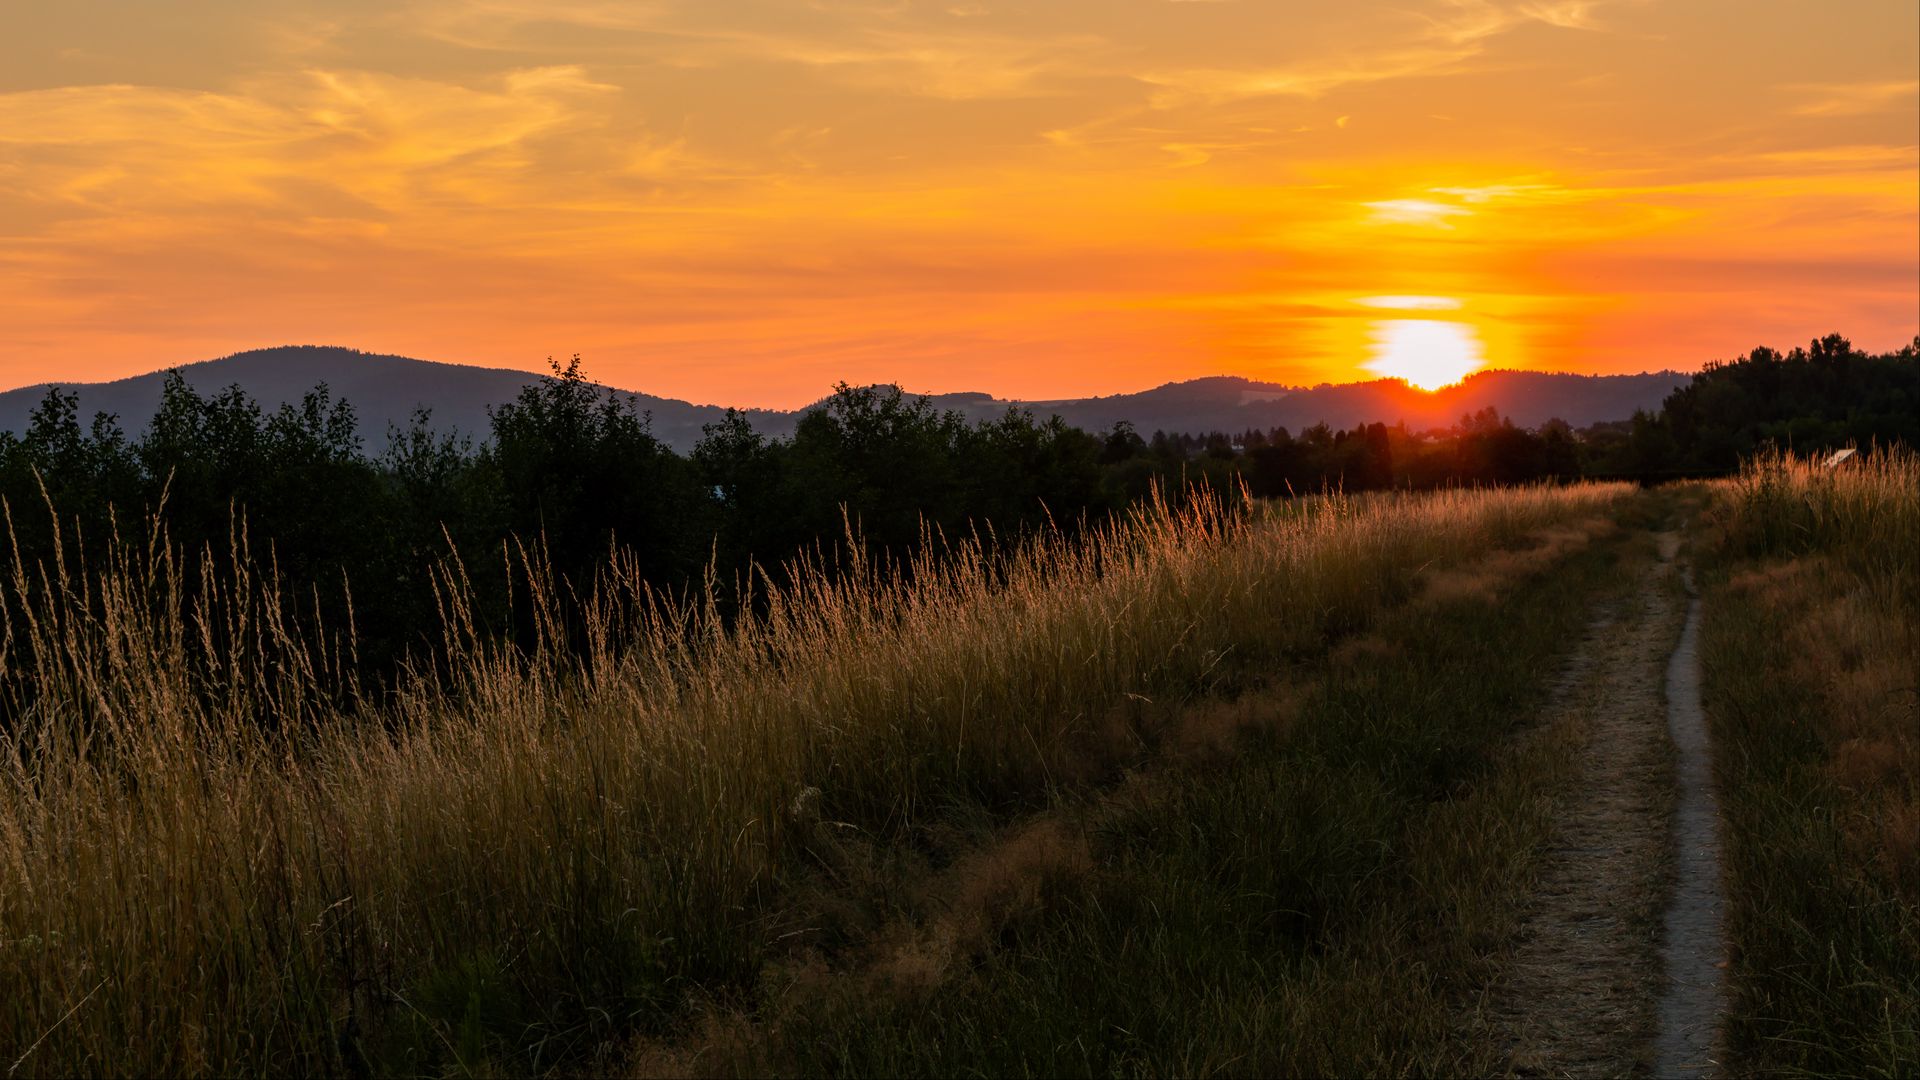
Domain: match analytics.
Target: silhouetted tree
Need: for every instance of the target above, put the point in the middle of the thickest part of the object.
(576, 467)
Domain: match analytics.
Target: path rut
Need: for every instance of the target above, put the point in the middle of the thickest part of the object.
(1695, 941)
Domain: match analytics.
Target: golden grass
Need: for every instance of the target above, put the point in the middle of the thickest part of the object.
(943, 925)
(1813, 666)
(218, 854)
(1865, 513)
(1847, 613)
(1299, 874)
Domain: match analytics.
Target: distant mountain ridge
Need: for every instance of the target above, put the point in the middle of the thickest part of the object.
(385, 390)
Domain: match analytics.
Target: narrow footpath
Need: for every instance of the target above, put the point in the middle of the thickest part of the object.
(1695, 938)
(1616, 972)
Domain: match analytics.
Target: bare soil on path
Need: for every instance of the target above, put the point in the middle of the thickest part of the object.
(1591, 990)
(1695, 938)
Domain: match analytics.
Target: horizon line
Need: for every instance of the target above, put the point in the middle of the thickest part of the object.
(1297, 388)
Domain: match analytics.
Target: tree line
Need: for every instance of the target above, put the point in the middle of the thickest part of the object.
(573, 470)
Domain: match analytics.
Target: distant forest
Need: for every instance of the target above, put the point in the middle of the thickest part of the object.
(569, 470)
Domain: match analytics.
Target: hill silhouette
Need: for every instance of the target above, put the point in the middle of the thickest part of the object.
(386, 389)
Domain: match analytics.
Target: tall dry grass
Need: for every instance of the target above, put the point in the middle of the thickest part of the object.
(1864, 512)
(219, 855)
(1812, 654)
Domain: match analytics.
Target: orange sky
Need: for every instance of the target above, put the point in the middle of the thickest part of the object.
(744, 201)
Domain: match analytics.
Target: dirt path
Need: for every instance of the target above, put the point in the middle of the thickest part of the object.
(1585, 993)
(1695, 944)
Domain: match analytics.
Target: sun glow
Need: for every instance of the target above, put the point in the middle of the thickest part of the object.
(1427, 353)
(1415, 212)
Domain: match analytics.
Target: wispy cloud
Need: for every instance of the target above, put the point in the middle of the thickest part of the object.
(1307, 79)
(306, 144)
(1855, 99)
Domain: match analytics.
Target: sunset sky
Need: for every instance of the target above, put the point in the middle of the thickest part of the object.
(744, 201)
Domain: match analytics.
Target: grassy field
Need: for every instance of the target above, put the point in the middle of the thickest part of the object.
(1316, 874)
(1256, 762)
(1811, 648)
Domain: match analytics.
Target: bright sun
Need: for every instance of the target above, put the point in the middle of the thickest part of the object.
(1427, 353)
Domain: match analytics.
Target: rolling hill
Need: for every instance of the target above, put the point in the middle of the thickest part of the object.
(386, 389)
